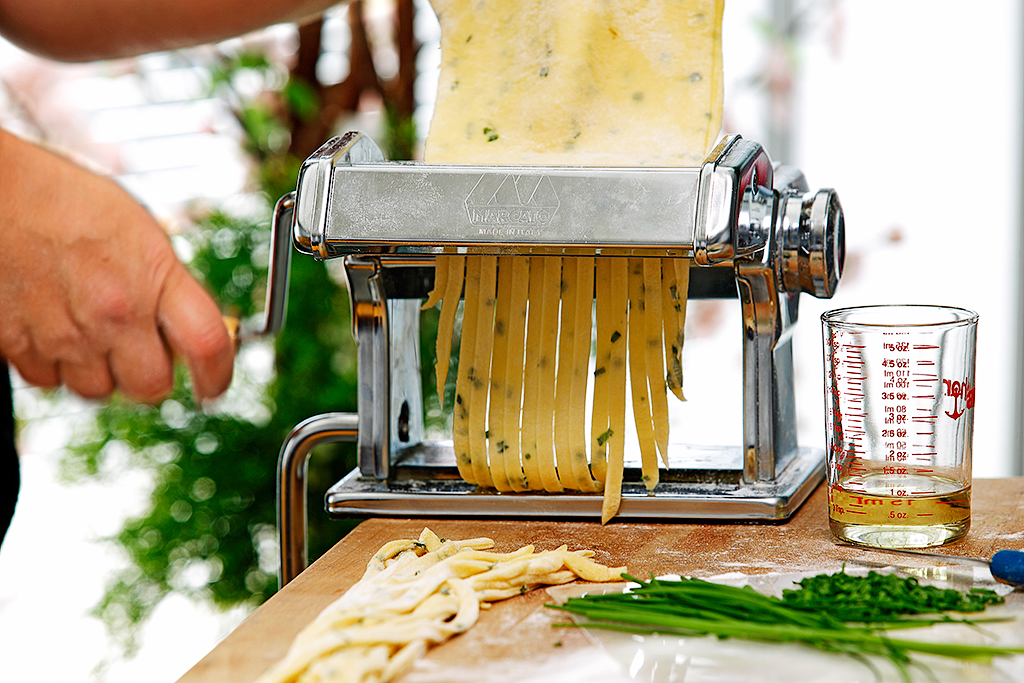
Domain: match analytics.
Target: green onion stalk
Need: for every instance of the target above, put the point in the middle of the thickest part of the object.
(837, 613)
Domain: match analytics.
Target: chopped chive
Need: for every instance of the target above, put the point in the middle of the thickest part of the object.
(815, 614)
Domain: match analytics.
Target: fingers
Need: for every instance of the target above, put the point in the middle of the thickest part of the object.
(91, 294)
(137, 358)
(142, 367)
(195, 331)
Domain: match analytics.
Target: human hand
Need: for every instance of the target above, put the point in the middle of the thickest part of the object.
(92, 296)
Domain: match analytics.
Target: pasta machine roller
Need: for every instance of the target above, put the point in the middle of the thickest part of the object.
(750, 230)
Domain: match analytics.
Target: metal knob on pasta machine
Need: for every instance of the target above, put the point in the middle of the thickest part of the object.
(751, 230)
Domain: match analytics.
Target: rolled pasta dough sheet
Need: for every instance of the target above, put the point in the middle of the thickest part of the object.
(577, 82)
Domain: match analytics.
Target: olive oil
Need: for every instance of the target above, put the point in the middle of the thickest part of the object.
(878, 510)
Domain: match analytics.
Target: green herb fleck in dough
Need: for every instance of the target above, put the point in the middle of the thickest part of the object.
(543, 72)
(526, 457)
(455, 84)
(638, 97)
(603, 438)
(491, 135)
(599, 371)
(694, 77)
(616, 336)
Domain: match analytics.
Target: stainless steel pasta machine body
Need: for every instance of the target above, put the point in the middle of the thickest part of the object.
(750, 230)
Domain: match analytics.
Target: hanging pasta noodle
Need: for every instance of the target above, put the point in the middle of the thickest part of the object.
(510, 444)
(531, 82)
(636, 343)
(568, 469)
(673, 316)
(580, 364)
(546, 372)
(529, 439)
(461, 436)
(449, 276)
(498, 435)
(654, 332)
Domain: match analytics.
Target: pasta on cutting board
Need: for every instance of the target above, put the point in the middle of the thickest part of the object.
(580, 83)
(417, 593)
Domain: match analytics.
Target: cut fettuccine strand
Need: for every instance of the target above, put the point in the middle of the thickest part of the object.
(416, 594)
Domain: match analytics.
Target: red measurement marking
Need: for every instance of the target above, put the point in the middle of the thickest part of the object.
(926, 362)
(925, 514)
(922, 347)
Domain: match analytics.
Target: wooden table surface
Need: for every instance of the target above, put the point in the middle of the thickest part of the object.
(521, 625)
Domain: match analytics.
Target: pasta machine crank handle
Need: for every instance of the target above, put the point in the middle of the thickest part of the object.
(293, 460)
(271, 320)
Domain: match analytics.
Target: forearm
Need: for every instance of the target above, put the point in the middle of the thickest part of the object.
(88, 30)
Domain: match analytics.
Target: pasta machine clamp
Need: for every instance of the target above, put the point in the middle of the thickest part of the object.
(750, 229)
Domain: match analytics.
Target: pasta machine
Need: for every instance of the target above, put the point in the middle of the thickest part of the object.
(750, 230)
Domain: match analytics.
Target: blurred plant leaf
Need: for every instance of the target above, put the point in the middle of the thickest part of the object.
(209, 530)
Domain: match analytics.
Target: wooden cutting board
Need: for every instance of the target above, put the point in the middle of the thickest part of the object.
(520, 628)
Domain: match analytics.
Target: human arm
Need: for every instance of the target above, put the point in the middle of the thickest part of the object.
(92, 296)
(88, 30)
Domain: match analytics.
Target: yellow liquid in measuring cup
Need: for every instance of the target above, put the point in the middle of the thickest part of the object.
(868, 510)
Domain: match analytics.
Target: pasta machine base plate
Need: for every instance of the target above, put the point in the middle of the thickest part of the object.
(426, 482)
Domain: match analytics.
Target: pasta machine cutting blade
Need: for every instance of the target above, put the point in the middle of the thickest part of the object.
(751, 231)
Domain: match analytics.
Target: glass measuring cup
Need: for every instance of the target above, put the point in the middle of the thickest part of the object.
(899, 404)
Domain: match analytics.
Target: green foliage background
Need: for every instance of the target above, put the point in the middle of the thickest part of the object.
(209, 531)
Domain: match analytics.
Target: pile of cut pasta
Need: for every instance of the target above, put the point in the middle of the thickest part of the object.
(579, 82)
(418, 593)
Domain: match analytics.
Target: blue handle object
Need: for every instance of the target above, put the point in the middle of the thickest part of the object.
(1008, 566)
